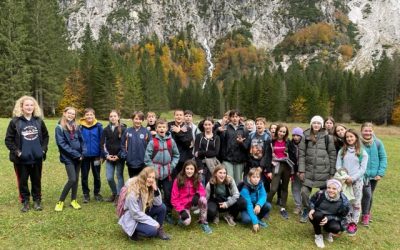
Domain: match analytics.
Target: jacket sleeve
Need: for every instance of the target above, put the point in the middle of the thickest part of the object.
(249, 205)
(382, 159)
(208, 190)
(332, 155)
(262, 196)
(234, 193)
(123, 153)
(157, 201)
(63, 144)
(197, 146)
(45, 136)
(148, 154)
(313, 199)
(175, 199)
(267, 157)
(175, 154)
(302, 155)
(10, 139)
(339, 160)
(104, 151)
(363, 165)
(136, 212)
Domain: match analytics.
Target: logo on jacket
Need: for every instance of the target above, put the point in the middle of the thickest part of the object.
(30, 133)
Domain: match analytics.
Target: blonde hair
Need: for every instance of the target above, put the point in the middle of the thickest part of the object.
(137, 186)
(64, 123)
(17, 112)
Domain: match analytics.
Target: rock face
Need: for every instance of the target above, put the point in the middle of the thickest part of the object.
(378, 21)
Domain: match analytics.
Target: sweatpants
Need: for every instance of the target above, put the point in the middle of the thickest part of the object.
(202, 205)
(213, 208)
(284, 176)
(23, 172)
(332, 226)
(235, 170)
(355, 208)
(368, 192)
(156, 212)
(87, 163)
(72, 169)
(246, 219)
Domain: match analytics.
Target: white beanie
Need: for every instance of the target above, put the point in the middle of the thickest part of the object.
(318, 119)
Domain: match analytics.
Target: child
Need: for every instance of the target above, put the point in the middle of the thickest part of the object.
(91, 131)
(27, 139)
(329, 209)
(143, 203)
(234, 146)
(189, 123)
(151, 123)
(272, 129)
(223, 196)
(293, 150)
(282, 168)
(376, 168)
(316, 162)
(111, 146)
(329, 125)
(163, 155)
(134, 142)
(187, 192)
(338, 136)
(257, 206)
(72, 148)
(250, 125)
(353, 158)
(219, 127)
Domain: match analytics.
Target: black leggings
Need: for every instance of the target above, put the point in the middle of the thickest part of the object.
(213, 208)
(332, 226)
(72, 169)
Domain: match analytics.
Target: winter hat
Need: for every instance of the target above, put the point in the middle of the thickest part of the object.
(297, 131)
(318, 119)
(334, 182)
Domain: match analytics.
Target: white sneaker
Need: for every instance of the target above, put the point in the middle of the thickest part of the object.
(330, 238)
(319, 240)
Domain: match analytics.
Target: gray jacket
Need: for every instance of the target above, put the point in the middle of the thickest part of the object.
(317, 160)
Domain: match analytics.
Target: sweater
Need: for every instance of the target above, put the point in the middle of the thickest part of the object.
(351, 162)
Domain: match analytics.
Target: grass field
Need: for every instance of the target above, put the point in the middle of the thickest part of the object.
(95, 225)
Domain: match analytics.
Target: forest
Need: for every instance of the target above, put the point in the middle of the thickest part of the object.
(36, 59)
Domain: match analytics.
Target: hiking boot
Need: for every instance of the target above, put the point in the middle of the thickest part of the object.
(86, 198)
(75, 204)
(169, 219)
(319, 241)
(37, 206)
(59, 206)
(297, 210)
(304, 216)
(229, 219)
(351, 229)
(162, 235)
(111, 198)
(98, 197)
(284, 214)
(262, 224)
(365, 220)
(25, 207)
(206, 228)
(116, 200)
(330, 237)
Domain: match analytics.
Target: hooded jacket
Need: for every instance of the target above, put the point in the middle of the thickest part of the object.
(133, 146)
(233, 151)
(254, 195)
(377, 161)
(71, 147)
(91, 135)
(183, 141)
(181, 198)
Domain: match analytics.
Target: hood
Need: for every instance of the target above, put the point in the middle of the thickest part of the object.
(167, 135)
(250, 185)
(83, 122)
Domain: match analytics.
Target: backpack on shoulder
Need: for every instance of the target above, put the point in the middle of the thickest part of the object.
(120, 209)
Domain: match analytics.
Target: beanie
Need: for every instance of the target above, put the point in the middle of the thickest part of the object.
(297, 131)
(318, 119)
(334, 182)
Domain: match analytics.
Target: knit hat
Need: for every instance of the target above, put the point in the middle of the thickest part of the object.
(318, 119)
(297, 131)
(334, 182)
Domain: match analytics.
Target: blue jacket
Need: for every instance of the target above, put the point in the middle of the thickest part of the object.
(70, 147)
(133, 146)
(91, 135)
(377, 159)
(254, 195)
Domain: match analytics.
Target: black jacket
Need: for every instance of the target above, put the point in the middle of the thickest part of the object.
(293, 152)
(233, 151)
(110, 142)
(183, 141)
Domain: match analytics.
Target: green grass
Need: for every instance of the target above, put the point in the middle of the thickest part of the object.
(95, 225)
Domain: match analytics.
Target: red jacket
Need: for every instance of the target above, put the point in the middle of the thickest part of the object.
(181, 198)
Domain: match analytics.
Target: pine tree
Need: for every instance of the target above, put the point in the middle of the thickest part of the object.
(88, 62)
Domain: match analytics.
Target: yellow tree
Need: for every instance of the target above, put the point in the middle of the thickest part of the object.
(298, 109)
(396, 112)
(74, 92)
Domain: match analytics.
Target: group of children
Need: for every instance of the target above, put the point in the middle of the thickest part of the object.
(227, 167)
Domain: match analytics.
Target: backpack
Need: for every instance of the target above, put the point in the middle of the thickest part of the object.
(156, 147)
(120, 209)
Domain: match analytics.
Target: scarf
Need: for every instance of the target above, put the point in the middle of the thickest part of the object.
(336, 198)
(367, 142)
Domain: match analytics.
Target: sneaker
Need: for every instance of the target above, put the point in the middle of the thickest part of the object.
(162, 235)
(169, 219)
(25, 207)
(365, 220)
(111, 198)
(319, 241)
(216, 220)
(297, 210)
(59, 206)
(330, 238)
(284, 214)
(229, 220)
(37, 206)
(116, 200)
(75, 204)
(304, 216)
(262, 224)
(351, 229)
(196, 210)
(86, 198)
(206, 228)
(98, 197)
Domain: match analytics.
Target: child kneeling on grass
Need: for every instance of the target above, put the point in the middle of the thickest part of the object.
(254, 193)
(187, 191)
(329, 209)
(143, 203)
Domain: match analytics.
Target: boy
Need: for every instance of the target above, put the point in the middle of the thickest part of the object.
(189, 123)
(163, 155)
(151, 122)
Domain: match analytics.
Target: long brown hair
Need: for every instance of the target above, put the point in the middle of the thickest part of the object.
(119, 127)
(214, 179)
(64, 123)
(357, 145)
(137, 186)
(182, 175)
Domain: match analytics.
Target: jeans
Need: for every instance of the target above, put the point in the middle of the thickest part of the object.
(111, 167)
(264, 211)
(87, 163)
(72, 169)
(157, 212)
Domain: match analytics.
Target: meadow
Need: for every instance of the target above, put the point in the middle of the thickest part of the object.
(95, 225)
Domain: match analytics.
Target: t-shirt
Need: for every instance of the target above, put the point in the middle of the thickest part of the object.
(279, 149)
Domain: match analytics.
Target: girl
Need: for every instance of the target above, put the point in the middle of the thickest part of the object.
(206, 149)
(91, 131)
(151, 123)
(329, 125)
(281, 168)
(329, 209)
(272, 129)
(338, 136)
(316, 161)
(143, 203)
(70, 144)
(223, 196)
(134, 142)
(376, 168)
(111, 145)
(27, 139)
(353, 158)
(187, 191)
(293, 151)
(257, 206)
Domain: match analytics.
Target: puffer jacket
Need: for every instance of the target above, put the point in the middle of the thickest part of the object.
(377, 159)
(317, 160)
(233, 151)
(91, 135)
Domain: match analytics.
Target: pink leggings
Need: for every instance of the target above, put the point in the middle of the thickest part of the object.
(203, 212)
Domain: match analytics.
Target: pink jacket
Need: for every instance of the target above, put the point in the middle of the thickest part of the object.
(181, 198)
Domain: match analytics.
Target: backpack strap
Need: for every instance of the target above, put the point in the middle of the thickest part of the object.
(169, 146)
(319, 198)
